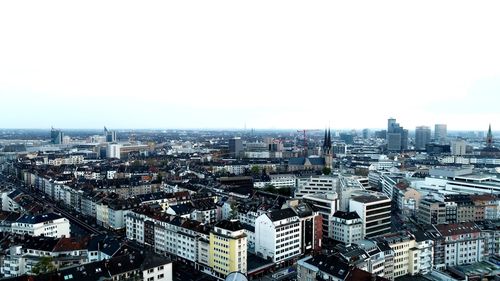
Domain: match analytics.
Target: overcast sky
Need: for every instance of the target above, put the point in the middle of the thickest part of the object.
(269, 64)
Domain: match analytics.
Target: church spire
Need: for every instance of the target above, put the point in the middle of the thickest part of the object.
(489, 137)
(329, 141)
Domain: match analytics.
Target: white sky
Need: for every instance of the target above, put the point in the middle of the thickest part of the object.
(269, 64)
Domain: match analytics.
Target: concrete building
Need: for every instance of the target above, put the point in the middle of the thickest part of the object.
(374, 211)
(347, 227)
(440, 133)
(397, 136)
(422, 137)
(316, 185)
(462, 243)
(431, 211)
(326, 205)
(113, 150)
(56, 136)
(228, 248)
(235, 147)
(277, 235)
(48, 225)
(458, 147)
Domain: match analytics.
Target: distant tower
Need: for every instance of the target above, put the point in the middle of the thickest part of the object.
(440, 133)
(109, 135)
(56, 136)
(327, 149)
(422, 137)
(489, 137)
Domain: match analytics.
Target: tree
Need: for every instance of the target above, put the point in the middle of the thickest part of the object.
(233, 214)
(255, 170)
(44, 265)
(327, 171)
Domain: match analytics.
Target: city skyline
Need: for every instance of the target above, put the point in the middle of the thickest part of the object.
(229, 65)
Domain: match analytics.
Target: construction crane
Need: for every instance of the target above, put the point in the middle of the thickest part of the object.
(304, 131)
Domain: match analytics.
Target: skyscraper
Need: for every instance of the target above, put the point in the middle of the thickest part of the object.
(110, 135)
(235, 147)
(422, 137)
(440, 133)
(56, 136)
(397, 136)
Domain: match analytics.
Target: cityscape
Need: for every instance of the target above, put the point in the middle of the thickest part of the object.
(249, 204)
(264, 140)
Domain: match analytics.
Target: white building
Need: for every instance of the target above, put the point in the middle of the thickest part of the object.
(48, 225)
(277, 235)
(317, 184)
(458, 147)
(279, 181)
(113, 150)
(462, 243)
(347, 227)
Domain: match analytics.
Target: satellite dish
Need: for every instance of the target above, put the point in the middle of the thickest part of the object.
(236, 276)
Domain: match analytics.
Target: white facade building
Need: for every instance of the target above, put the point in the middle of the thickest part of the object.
(277, 235)
(49, 225)
(317, 184)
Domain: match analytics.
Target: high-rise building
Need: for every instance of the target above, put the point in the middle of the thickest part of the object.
(440, 133)
(397, 136)
(422, 137)
(228, 248)
(110, 135)
(366, 133)
(235, 147)
(56, 136)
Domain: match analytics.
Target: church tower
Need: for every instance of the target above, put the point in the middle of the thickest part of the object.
(327, 149)
(489, 138)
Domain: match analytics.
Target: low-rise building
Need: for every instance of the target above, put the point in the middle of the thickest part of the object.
(48, 225)
(347, 227)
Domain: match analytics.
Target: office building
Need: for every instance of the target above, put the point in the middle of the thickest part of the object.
(440, 133)
(317, 184)
(458, 147)
(374, 211)
(56, 136)
(422, 137)
(113, 150)
(326, 204)
(109, 135)
(431, 211)
(397, 136)
(277, 235)
(235, 147)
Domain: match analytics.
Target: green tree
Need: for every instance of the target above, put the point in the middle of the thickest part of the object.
(255, 170)
(233, 214)
(44, 265)
(327, 171)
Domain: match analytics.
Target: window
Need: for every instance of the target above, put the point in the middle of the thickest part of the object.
(161, 276)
